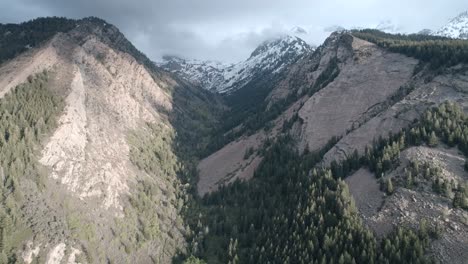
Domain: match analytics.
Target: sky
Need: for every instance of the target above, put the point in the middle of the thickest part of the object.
(230, 30)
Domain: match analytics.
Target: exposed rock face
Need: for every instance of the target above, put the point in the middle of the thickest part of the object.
(107, 99)
(108, 94)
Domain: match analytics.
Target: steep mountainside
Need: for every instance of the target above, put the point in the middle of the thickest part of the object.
(455, 28)
(110, 186)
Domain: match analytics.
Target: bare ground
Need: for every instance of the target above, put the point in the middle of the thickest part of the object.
(228, 164)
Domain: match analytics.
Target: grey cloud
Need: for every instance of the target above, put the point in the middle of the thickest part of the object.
(230, 30)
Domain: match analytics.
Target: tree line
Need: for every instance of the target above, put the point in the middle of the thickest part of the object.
(438, 52)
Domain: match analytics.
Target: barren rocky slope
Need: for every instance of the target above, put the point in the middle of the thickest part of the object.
(103, 200)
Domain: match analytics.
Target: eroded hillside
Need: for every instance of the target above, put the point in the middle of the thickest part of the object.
(110, 189)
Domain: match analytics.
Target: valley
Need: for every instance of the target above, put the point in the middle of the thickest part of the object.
(350, 152)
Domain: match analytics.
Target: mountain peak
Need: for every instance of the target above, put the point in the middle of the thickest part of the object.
(280, 44)
(457, 27)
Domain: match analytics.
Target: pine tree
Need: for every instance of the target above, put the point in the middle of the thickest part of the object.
(433, 141)
(389, 186)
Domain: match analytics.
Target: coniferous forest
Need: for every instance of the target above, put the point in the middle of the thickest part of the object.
(293, 212)
(436, 51)
(27, 114)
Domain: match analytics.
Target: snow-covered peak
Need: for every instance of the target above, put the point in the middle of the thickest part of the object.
(208, 74)
(455, 28)
(280, 46)
(269, 58)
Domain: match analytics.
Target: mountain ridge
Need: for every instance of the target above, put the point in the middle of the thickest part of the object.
(270, 56)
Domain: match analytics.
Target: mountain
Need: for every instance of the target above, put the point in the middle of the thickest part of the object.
(357, 95)
(271, 57)
(354, 152)
(208, 74)
(455, 28)
(90, 167)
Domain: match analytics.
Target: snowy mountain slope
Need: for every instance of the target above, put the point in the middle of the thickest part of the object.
(208, 74)
(271, 57)
(455, 28)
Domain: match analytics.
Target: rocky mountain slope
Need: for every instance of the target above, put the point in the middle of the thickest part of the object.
(457, 27)
(346, 95)
(271, 57)
(103, 196)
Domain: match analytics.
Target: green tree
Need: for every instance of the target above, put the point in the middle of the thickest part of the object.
(389, 185)
(433, 141)
(193, 260)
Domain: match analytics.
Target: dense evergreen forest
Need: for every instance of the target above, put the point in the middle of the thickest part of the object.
(27, 114)
(438, 52)
(17, 38)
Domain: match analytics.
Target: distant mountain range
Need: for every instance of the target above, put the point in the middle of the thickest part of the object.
(271, 57)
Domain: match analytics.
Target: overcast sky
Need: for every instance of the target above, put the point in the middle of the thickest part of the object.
(230, 30)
